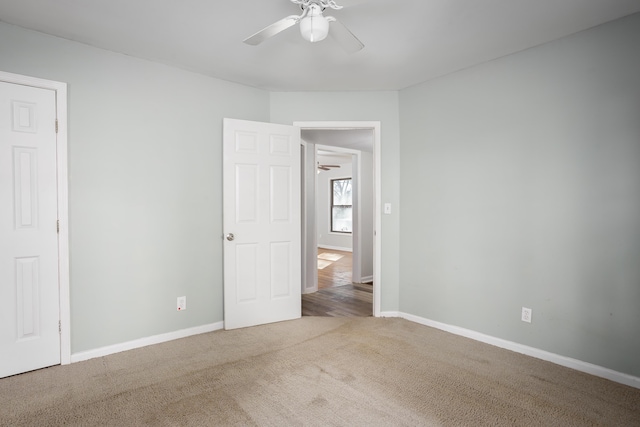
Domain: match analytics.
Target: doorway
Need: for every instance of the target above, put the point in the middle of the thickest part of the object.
(35, 330)
(324, 143)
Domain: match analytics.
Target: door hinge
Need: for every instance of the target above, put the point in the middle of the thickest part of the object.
(58, 226)
(59, 326)
(56, 125)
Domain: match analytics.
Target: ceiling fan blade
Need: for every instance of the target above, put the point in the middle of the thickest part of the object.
(272, 30)
(342, 35)
(352, 3)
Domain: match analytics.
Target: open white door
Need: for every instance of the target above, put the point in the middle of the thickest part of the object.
(262, 273)
(29, 320)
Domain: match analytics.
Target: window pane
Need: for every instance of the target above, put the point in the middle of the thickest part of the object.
(341, 219)
(342, 192)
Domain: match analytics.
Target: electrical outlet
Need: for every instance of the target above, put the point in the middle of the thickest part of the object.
(182, 303)
(526, 314)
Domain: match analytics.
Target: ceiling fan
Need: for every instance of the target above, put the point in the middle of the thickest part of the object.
(327, 167)
(314, 27)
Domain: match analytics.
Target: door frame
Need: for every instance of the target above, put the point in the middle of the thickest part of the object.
(356, 235)
(377, 238)
(62, 187)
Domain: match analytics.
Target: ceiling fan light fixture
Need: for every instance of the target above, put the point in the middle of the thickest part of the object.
(314, 27)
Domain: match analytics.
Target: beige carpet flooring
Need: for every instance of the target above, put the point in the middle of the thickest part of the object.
(317, 371)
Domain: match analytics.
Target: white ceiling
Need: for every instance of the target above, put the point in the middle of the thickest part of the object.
(406, 41)
(325, 157)
(353, 139)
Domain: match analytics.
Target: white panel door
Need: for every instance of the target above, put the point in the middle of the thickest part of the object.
(261, 173)
(29, 329)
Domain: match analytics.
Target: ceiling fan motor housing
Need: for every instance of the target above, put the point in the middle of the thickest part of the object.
(314, 27)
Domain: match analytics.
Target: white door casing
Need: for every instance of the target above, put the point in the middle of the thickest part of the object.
(311, 259)
(29, 322)
(261, 223)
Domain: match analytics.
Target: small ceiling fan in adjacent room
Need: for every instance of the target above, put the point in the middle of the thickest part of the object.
(327, 167)
(314, 26)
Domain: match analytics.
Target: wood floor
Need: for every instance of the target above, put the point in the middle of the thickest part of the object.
(336, 295)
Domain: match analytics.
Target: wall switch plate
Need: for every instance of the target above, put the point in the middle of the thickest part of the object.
(526, 314)
(182, 303)
(387, 208)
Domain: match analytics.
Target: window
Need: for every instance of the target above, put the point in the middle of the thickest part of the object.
(341, 205)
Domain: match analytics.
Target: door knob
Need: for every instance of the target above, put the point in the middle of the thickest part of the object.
(230, 237)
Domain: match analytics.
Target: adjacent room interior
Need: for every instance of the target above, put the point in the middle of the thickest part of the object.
(344, 206)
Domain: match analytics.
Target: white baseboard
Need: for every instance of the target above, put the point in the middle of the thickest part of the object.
(335, 248)
(143, 342)
(366, 279)
(390, 314)
(568, 362)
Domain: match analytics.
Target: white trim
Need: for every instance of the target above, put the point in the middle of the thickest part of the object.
(335, 248)
(377, 268)
(568, 362)
(63, 202)
(366, 279)
(377, 171)
(339, 233)
(303, 218)
(390, 314)
(143, 342)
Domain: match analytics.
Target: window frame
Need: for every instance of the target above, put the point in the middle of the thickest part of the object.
(332, 205)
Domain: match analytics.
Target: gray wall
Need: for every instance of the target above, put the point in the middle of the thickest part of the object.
(367, 217)
(145, 194)
(287, 107)
(521, 187)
